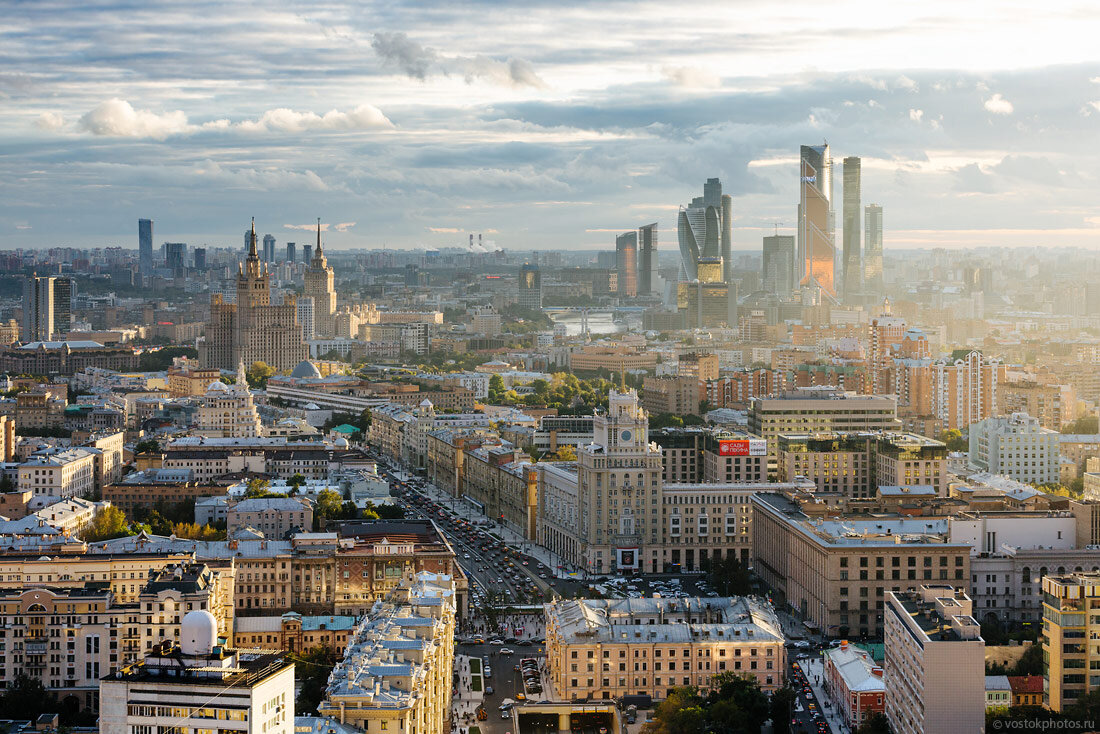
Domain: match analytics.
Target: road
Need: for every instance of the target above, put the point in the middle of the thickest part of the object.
(505, 681)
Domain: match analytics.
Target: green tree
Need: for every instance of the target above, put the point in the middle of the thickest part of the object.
(876, 723)
(311, 672)
(1085, 424)
(159, 360)
(257, 488)
(158, 524)
(389, 512)
(729, 576)
(147, 446)
(26, 698)
(258, 374)
(781, 707)
(954, 439)
(328, 507)
(6, 484)
(296, 481)
(109, 523)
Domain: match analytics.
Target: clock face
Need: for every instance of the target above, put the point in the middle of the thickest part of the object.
(625, 435)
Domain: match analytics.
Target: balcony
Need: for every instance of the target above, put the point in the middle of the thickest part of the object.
(35, 645)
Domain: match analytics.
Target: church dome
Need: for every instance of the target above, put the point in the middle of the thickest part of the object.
(198, 632)
(217, 386)
(306, 369)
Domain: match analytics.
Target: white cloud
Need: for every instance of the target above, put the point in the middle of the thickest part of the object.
(998, 105)
(117, 118)
(50, 121)
(916, 115)
(325, 226)
(692, 76)
(363, 117)
(510, 73)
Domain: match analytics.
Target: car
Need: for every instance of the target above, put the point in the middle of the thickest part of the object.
(496, 642)
(505, 714)
(479, 640)
(489, 690)
(466, 556)
(507, 651)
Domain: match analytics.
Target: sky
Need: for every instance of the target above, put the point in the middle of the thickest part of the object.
(541, 125)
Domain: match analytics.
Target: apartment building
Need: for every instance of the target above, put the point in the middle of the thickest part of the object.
(700, 365)
(675, 395)
(608, 648)
(96, 633)
(199, 682)
(934, 672)
(835, 572)
(1016, 446)
(503, 481)
(1069, 624)
(294, 632)
(59, 473)
(396, 672)
(611, 359)
(138, 493)
(208, 458)
(697, 454)
(275, 517)
(1052, 405)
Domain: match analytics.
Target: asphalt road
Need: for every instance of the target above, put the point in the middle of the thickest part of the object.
(505, 681)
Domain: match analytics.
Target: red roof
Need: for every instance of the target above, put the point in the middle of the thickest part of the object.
(1026, 683)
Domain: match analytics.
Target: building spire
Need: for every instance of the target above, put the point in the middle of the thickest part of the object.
(252, 242)
(318, 234)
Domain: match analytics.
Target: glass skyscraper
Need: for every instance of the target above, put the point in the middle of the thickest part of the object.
(816, 245)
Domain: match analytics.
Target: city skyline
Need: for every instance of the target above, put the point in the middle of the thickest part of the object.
(532, 123)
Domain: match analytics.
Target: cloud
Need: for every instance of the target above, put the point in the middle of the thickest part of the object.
(998, 105)
(692, 77)
(445, 230)
(363, 117)
(397, 49)
(50, 121)
(325, 226)
(418, 62)
(510, 73)
(915, 115)
(117, 118)
(973, 180)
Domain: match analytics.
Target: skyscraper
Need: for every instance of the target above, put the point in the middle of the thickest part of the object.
(853, 262)
(727, 238)
(252, 329)
(779, 264)
(702, 231)
(200, 258)
(305, 317)
(307, 253)
(816, 245)
(872, 249)
(175, 256)
(320, 286)
(269, 248)
(247, 241)
(290, 254)
(62, 305)
(626, 263)
(647, 259)
(38, 305)
(145, 246)
(530, 286)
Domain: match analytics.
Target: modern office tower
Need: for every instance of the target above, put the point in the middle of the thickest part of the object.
(181, 684)
(199, 256)
(813, 410)
(175, 256)
(530, 286)
(307, 253)
(63, 305)
(853, 261)
(252, 329)
(706, 301)
(1070, 628)
(145, 246)
(1016, 446)
(247, 241)
(816, 244)
(647, 259)
(412, 275)
(269, 248)
(38, 309)
(702, 231)
(290, 253)
(779, 264)
(305, 317)
(607, 260)
(320, 286)
(872, 249)
(626, 263)
(934, 673)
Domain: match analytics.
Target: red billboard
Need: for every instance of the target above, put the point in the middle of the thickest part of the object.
(743, 447)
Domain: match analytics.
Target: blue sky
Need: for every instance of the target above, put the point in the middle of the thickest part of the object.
(541, 124)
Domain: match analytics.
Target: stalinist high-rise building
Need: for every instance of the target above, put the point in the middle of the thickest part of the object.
(253, 330)
(320, 286)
